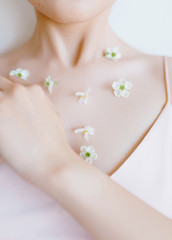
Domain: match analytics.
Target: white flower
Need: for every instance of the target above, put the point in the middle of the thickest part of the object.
(49, 83)
(22, 73)
(83, 96)
(122, 88)
(113, 53)
(86, 130)
(88, 153)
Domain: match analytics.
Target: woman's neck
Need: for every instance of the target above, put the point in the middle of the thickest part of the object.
(71, 44)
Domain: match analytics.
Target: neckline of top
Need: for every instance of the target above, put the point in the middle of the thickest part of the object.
(156, 121)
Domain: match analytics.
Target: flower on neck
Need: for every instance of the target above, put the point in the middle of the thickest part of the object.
(49, 83)
(83, 96)
(88, 153)
(122, 87)
(86, 130)
(113, 53)
(20, 72)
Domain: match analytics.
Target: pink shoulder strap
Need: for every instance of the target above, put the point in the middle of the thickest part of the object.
(167, 78)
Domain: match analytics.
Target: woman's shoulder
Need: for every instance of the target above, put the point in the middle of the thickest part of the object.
(12, 59)
(153, 64)
(3, 64)
(7, 60)
(130, 51)
(158, 66)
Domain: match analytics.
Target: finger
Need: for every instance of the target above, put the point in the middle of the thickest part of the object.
(5, 83)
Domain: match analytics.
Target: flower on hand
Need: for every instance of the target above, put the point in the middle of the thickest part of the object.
(20, 72)
(113, 53)
(83, 96)
(122, 88)
(49, 83)
(86, 130)
(88, 153)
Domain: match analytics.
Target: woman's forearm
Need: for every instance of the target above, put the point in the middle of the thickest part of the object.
(103, 207)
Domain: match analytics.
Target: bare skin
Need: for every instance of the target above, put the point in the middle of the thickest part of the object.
(77, 70)
(98, 203)
(93, 70)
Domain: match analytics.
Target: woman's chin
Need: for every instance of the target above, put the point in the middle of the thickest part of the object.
(65, 11)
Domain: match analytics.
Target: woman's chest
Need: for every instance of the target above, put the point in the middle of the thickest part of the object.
(119, 123)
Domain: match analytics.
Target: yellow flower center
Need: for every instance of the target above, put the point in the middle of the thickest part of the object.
(19, 74)
(87, 154)
(122, 87)
(113, 54)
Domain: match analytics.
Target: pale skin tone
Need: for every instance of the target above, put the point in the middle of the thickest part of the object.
(70, 47)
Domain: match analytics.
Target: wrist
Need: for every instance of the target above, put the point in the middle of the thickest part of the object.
(54, 173)
(75, 184)
(63, 181)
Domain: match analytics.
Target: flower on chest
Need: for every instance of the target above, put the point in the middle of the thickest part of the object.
(86, 131)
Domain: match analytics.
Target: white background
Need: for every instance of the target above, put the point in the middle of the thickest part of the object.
(143, 24)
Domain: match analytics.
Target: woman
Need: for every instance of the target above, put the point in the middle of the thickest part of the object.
(125, 193)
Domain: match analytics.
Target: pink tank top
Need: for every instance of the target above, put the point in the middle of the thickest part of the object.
(26, 213)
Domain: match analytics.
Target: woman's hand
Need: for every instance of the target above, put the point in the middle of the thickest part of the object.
(32, 136)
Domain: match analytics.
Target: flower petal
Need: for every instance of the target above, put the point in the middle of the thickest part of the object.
(125, 93)
(117, 92)
(90, 130)
(118, 55)
(89, 160)
(12, 73)
(50, 89)
(19, 70)
(128, 85)
(85, 99)
(115, 85)
(82, 155)
(25, 73)
(108, 50)
(115, 49)
(90, 149)
(51, 83)
(108, 56)
(49, 78)
(79, 130)
(79, 94)
(122, 81)
(86, 135)
(83, 148)
(94, 156)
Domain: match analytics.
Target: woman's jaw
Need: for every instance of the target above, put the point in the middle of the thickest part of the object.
(71, 11)
(73, 32)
